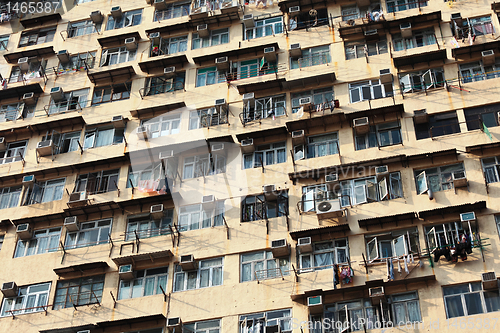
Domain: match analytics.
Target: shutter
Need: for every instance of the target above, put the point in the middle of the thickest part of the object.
(428, 79)
(432, 242)
(366, 93)
(382, 189)
(104, 59)
(308, 201)
(372, 247)
(360, 194)
(371, 191)
(399, 246)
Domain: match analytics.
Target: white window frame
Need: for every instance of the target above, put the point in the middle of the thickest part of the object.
(477, 71)
(194, 217)
(74, 100)
(274, 148)
(137, 224)
(82, 28)
(184, 275)
(202, 327)
(350, 12)
(172, 11)
(330, 146)
(163, 125)
(216, 37)
(206, 118)
(112, 56)
(427, 37)
(408, 236)
(447, 234)
(400, 5)
(354, 50)
(265, 27)
(313, 193)
(92, 136)
(37, 37)
(15, 111)
(38, 194)
(27, 298)
(422, 178)
(159, 279)
(365, 141)
(368, 90)
(206, 73)
(166, 45)
(131, 16)
(307, 261)
(256, 322)
(203, 165)
(155, 171)
(40, 243)
(11, 154)
(312, 56)
(73, 238)
(473, 288)
(78, 61)
(422, 80)
(324, 96)
(264, 107)
(491, 169)
(263, 264)
(10, 196)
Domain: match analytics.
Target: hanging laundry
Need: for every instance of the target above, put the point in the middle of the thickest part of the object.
(412, 261)
(406, 267)
(336, 278)
(391, 269)
(442, 252)
(388, 269)
(471, 41)
(399, 267)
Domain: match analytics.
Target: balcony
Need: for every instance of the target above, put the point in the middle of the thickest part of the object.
(33, 20)
(40, 52)
(162, 88)
(106, 75)
(213, 11)
(158, 63)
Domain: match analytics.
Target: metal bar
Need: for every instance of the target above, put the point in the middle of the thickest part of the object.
(113, 297)
(164, 294)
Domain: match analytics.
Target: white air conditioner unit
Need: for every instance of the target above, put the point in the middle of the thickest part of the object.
(405, 28)
(220, 105)
(217, 147)
(203, 31)
(457, 18)
(372, 32)
(385, 75)
(199, 11)
(126, 272)
(420, 116)
(381, 170)
(222, 63)
(142, 132)
(376, 295)
(154, 37)
(3, 144)
(247, 146)
(229, 6)
(169, 72)
(304, 244)
(71, 223)
(29, 98)
(469, 216)
(116, 12)
(332, 178)
(173, 323)
(131, 44)
(96, 17)
(9, 289)
(45, 148)
(306, 104)
(29, 180)
(361, 125)
(328, 209)
(269, 191)
(57, 94)
(24, 231)
(77, 199)
(459, 179)
(248, 97)
(280, 248)
(488, 57)
(23, 63)
(249, 21)
(63, 56)
(187, 262)
(118, 121)
(270, 54)
(315, 304)
(166, 154)
(295, 50)
(298, 137)
(156, 211)
(208, 201)
(160, 4)
(489, 281)
(294, 9)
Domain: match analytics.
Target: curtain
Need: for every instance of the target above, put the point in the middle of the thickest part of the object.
(137, 288)
(124, 290)
(454, 306)
(246, 272)
(323, 259)
(413, 311)
(104, 138)
(149, 286)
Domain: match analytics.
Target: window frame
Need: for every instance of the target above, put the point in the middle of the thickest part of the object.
(214, 215)
(74, 100)
(164, 223)
(251, 205)
(282, 263)
(422, 175)
(78, 61)
(419, 38)
(172, 8)
(15, 111)
(203, 165)
(423, 80)
(494, 175)
(99, 132)
(87, 27)
(400, 5)
(39, 243)
(178, 272)
(81, 234)
(250, 322)
(156, 125)
(115, 93)
(36, 37)
(216, 37)
(276, 148)
(204, 76)
(265, 27)
(361, 49)
(313, 56)
(159, 279)
(113, 24)
(446, 122)
(373, 138)
(473, 288)
(62, 298)
(121, 54)
(11, 154)
(409, 236)
(334, 251)
(25, 295)
(207, 117)
(373, 88)
(9, 194)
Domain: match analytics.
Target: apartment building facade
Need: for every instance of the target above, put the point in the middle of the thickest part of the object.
(249, 167)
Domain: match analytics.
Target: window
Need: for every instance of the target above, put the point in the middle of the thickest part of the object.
(199, 216)
(35, 37)
(422, 80)
(392, 244)
(30, 299)
(473, 27)
(43, 241)
(266, 27)
(162, 126)
(128, 19)
(350, 12)
(207, 274)
(102, 136)
(448, 234)
(169, 46)
(469, 299)
(318, 96)
(477, 71)
(366, 90)
(77, 292)
(81, 28)
(203, 165)
(66, 142)
(144, 226)
(90, 234)
(209, 326)
(208, 76)
(438, 125)
(419, 38)
(97, 182)
(251, 68)
(174, 10)
(20, 110)
(9, 196)
(35, 70)
(72, 101)
(256, 207)
(370, 189)
(487, 115)
(111, 93)
(150, 177)
(216, 37)
(77, 62)
(262, 265)
(491, 169)
(83, 1)
(312, 57)
(1, 240)
(45, 191)
(161, 85)
(324, 255)
(380, 135)
(362, 49)
(207, 117)
(4, 41)
(406, 308)
(116, 55)
(437, 179)
(147, 282)
(317, 146)
(312, 194)
(15, 152)
(255, 322)
(399, 5)
(304, 20)
(268, 154)
(260, 108)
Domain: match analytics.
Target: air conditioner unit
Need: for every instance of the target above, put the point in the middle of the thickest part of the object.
(372, 32)
(57, 94)
(269, 191)
(142, 132)
(280, 248)
(270, 54)
(249, 21)
(294, 9)
(9, 289)
(385, 76)
(457, 18)
(71, 223)
(315, 304)
(328, 209)
(199, 11)
(3, 144)
(154, 37)
(29, 180)
(405, 29)
(420, 116)
(166, 154)
(24, 231)
(248, 97)
(376, 295)
(169, 72)
(459, 179)
(381, 170)
(77, 199)
(208, 201)
(96, 17)
(84, 331)
(488, 57)
(131, 44)
(63, 56)
(203, 31)
(187, 262)
(304, 244)
(469, 216)
(229, 7)
(489, 281)
(173, 323)
(298, 137)
(160, 4)
(222, 63)
(29, 98)
(126, 272)
(118, 121)
(295, 50)
(217, 147)
(156, 211)
(361, 125)
(45, 148)
(306, 104)
(332, 178)
(220, 104)
(116, 12)
(247, 146)
(23, 63)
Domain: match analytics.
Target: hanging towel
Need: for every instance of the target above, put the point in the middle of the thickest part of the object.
(399, 267)
(388, 270)
(406, 267)
(392, 269)
(412, 261)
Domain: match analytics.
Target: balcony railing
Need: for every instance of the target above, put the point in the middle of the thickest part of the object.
(270, 273)
(171, 13)
(28, 310)
(162, 88)
(27, 77)
(259, 114)
(147, 233)
(208, 120)
(64, 106)
(314, 60)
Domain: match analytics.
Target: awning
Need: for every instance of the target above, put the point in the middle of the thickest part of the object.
(72, 329)
(380, 221)
(478, 149)
(19, 91)
(324, 120)
(56, 217)
(104, 75)
(271, 83)
(320, 231)
(243, 51)
(281, 130)
(143, 257)
(468, 207)
(156, 110)
(75, 121)
(94, 208)
(416, 20)
(397, 108)
(217, 17)
(285, 4)
(476, 48)
(162, 62)
(82, 268)
(145, 202)
(170, 29)
(306, 81)
(40, 52)
(130, 321)
(420, 58)
(432, 155)
(40, 20)
(117, 40)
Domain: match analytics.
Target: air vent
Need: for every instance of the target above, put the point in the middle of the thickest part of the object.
(203, 31)
(9, 289)
(294, 9)
(45, 148)
(96, 17)
(131, 44)
(270, 54)
(405, 28)
(169, 72)
(187, 262)
(222, 63)
(459, 179)
(57, 94)
(166, 154)
(247, 146)
(268, 189)
(248, 21)
(298, 137)
(304, 244)
(306, 104)
(376, 295)
(126, 272)
(280, 248)
(63, 56)
(156, 211)
(155, 37)
(217, 147)
(142, 132)
(295, 50)
(469, 216)
(371, 32)
(297, 134)
(315, 304)
(174, 322)
(116, 12)
(24, 231)
(489, 281)
(361, 125)
(331, 178)
(28, 180)
(71, 223)
(208, 201)
(118, 121)
(381, 170)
